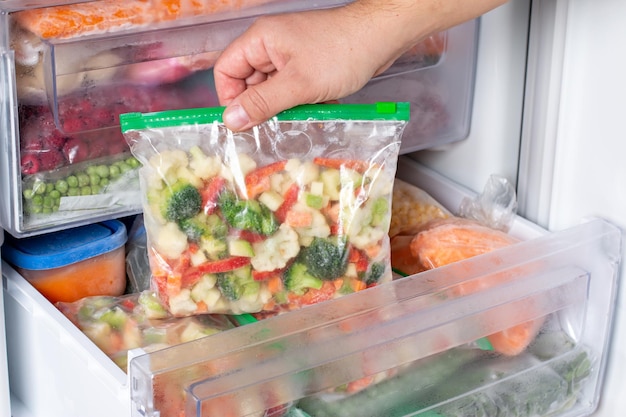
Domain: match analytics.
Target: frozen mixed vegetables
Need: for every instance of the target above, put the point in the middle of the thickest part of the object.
(270, 220)
(119, 324)
(298, 232)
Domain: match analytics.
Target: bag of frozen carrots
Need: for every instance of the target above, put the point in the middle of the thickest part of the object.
(445, 241)
(290, 213)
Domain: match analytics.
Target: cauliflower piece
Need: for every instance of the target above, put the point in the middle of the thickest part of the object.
(248, 303)
(275, 251)
(166, 164)
(303, 173)
(185, 174)
(280, 182)
(205, 291)
(181, 304)
(365, 237)
(202, 165)
(378, 183)
(170, 241)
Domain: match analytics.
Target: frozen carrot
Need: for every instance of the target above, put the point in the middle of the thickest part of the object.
(455, 239)
(105, 16)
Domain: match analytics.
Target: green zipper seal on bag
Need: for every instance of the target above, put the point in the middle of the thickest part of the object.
(388, 111)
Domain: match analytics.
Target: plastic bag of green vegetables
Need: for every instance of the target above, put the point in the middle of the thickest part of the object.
(290, 213)
(119, 324)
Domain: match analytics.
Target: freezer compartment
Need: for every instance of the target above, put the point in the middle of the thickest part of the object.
(63, 93)
(566, 279)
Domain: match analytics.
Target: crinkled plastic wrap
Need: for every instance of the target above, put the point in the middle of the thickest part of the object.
(119, 324)
(291, 213)
(412, 208)
(445, 241)
(495, 207)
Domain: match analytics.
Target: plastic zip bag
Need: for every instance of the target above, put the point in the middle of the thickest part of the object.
(119, 324)
(290, 213)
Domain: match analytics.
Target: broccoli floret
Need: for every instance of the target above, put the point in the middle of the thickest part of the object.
(228, 287)
(203, 226)
(247, 214)
(235, 284)
(325, 258)
(373, 275)
(298, 280)
(182, 201)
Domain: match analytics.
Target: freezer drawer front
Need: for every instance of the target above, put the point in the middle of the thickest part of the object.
(5, 404)
(62, 95)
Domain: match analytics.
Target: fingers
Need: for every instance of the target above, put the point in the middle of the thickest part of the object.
(259, 102)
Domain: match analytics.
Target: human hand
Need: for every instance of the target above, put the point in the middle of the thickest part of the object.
(285, 60)
(310, 57)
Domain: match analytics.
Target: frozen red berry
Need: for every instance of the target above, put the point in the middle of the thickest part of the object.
(54, 140)
(75, 150)
(50, 159)
(72, 125)
(29, 163)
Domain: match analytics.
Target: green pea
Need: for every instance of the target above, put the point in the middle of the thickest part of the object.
(72, 181)
(114, 171)
(61, 186)
(83, 180)
(94, 179)
(124, 167)
(91, 169)
(102, 171)
(39, 187)
(133, 162)
(47, 202)
(28, 194)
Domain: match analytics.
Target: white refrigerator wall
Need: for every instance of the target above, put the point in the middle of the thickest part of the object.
(570, 163)
(586, 146)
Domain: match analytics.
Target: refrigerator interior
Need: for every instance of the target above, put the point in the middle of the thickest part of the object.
(492, 146)
(569, 277)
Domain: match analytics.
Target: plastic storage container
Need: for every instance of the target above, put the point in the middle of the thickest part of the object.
(5, 403)
(569, 277)
(71, 264)
(62, 93)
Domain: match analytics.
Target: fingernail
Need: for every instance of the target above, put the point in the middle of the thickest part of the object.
(235, 117)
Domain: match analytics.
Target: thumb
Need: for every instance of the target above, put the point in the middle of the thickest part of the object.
(260, 102)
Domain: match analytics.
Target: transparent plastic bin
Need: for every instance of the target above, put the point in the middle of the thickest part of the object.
(62, 97)
(569, 277)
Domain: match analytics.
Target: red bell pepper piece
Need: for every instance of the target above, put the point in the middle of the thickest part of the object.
(193, 274)
(248, 235)
(290, 198)
(265, 275)
(210, 194)
(257, 180)
(359, 258)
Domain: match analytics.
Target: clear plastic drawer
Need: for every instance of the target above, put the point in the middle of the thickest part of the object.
(67, 74)
(374, 348)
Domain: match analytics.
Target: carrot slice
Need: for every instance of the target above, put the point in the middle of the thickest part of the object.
(455, 239)
(337, 163)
